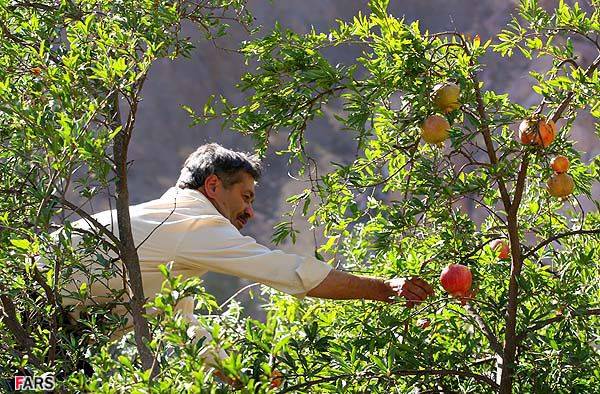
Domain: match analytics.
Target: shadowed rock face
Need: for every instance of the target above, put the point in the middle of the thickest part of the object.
(162, 139)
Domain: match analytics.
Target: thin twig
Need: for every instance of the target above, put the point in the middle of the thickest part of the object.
(102, 229)
(557, 237)
(494, 343)
(392, 373)
(238, 293)
(543, 323)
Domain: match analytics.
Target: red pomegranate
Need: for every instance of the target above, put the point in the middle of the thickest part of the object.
(500, 246)
(456, 279)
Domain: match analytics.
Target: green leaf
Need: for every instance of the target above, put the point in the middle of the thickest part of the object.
(22, 244)
(534, 206)
(125, 361)
(83, 289)
(379, 7)
(163, 270)
(379, 362)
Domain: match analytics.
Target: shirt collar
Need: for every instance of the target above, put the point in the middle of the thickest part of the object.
(189, 196)
(191, 193)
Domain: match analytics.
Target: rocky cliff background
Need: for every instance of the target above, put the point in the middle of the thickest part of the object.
(163, 138)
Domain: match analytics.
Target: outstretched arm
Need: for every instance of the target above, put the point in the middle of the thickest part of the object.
(340, 285)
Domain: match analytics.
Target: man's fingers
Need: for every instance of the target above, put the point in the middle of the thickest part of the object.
(414, 290)
(419, 293)
(410, 296)
(423, 285)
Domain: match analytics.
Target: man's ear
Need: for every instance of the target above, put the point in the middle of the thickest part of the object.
(211, 185)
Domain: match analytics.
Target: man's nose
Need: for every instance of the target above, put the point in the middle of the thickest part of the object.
(249, 211)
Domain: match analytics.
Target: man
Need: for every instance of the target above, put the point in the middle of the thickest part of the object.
(196, 226)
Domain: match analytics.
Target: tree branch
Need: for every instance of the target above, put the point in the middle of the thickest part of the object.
(9, 317)
(565, 103)
(57, 311)
(520, 185)
(494, 343)
(102, 229)
(487, 136)
(557, 237)
(543, 323)
(399, 372)
(128, 254)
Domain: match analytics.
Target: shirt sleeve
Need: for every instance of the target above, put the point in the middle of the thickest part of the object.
(216, 245)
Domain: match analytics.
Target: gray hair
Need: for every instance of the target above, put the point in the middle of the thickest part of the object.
(212, 159)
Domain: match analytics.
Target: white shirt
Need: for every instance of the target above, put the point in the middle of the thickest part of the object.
(183, 227)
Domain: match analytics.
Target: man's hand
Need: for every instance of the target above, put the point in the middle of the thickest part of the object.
(415, 290)
(340, 285)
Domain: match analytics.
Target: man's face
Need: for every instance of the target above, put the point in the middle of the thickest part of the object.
(235, 202)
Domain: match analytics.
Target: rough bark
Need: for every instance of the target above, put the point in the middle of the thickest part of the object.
(128, 251)
(511, 337)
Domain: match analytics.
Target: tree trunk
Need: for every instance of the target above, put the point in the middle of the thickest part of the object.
(510, 339)
(128, 252)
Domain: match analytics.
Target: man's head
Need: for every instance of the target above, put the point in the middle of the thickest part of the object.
(225, 177)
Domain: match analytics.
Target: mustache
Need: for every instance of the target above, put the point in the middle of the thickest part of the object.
(244, 216)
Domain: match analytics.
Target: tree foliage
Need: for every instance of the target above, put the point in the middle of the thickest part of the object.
(71, 77)
(403, 207)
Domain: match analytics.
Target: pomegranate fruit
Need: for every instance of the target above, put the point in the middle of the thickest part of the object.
(500, 246)
(276, 379)
(560, 185)
(560, 164)
(435, 129)
(524, 135)
(540, 132)
(445, 96)
(456, 279)
(546, 133)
